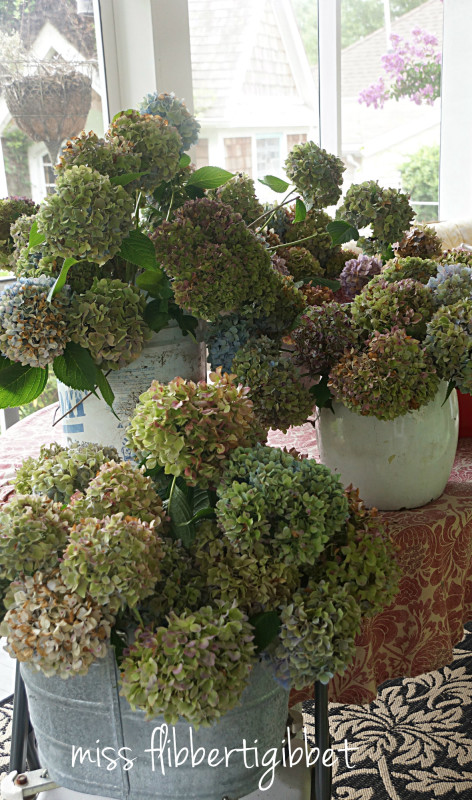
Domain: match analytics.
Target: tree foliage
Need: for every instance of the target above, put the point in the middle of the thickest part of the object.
(420, 177)
(358, 19)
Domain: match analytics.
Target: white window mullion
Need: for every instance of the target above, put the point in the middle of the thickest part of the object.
(329, 72)
(146, 47)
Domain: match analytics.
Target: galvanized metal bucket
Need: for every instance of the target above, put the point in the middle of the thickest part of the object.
(91, 741)
(167, 355)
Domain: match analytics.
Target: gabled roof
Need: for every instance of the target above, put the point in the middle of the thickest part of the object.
(245, 55)
(361, 62)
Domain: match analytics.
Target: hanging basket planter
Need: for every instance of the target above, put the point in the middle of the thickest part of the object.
(50, 105)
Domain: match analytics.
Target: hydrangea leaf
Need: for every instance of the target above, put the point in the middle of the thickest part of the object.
(20, 384)
(138, 249)
(300, 210)
(62, 277)
(35, 238)
(342, 232)
(266, 627)
(76, 368)
(274, 183)
(209, 177)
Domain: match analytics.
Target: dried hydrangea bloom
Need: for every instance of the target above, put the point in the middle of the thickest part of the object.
(419, 242)
(317, 174)
(449, 342)
(170, 108)
(323, 334)
(54, 629)
(419, 269)
(108, 321)
(196, 667)
(452, 282)
(115, 560)
(121, 487)
(60, 471)
(33, 532)
(316, 638)
(157, 144)
(279, 397)
(382, 306)
(292, 506)
(33, 331)
(88, 217)
(356, 273)
(393, 375)
(190, 429)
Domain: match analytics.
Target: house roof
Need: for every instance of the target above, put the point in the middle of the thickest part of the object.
(361, 62)
(243, 56)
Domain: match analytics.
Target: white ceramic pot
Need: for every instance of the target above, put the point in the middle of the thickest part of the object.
(167, 355)
(400, 463)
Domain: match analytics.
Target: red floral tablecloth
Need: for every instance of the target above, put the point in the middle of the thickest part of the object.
(418, 631)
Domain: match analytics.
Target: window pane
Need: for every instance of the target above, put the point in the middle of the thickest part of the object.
(390, 96)
(254, 90)
(50, 88)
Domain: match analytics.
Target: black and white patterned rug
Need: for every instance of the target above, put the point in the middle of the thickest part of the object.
(414, 742)
(6, 711)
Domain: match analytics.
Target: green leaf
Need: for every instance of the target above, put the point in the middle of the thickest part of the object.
(204, 513)
(274, 183)
(105, 389)
(266, 627)
(194, 191)
(156, 315)
(300, 210)
(180, 512)
(185, 160)
(322, 394)
(76, 368)
(35, 238)
(450, 388)
(138, 249)
(129, 177)
(209, 177)
(320, 280)
(62, 277)
(20, 384)
(187, 323)
(341, 232)
(151, 282)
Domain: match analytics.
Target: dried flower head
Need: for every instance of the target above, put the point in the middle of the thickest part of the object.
(419, 269)
(115, 560)
(60, 471)
(216, 261)
(292, 506)
(55, 630)
(356, 273)
(386, 211)
(33, 331)
(33, 531)
(324, 333)
(316, 174)
(278, 395)
(449, 342)
(108, 321)
(195, 668)
(121, 487)
(392, 376)
(157, 144)
(88, 217)
(170, 108)
(190, 429)
(381, 306)
(452, 282)
(419, 242)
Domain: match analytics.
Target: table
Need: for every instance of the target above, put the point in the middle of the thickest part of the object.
(417, 632)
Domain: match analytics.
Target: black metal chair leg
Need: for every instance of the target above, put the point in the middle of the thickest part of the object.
(321, 775)
(20, 725)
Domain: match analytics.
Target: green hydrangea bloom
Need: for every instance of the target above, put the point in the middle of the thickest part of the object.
(317, 174)
(33, 531)
(88, 217)
(115, 560)
(195, 668)
(108, 321)
(449, 342)
(292, 506)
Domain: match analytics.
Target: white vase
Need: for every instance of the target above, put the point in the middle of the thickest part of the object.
(399, 463)
(167, 355)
